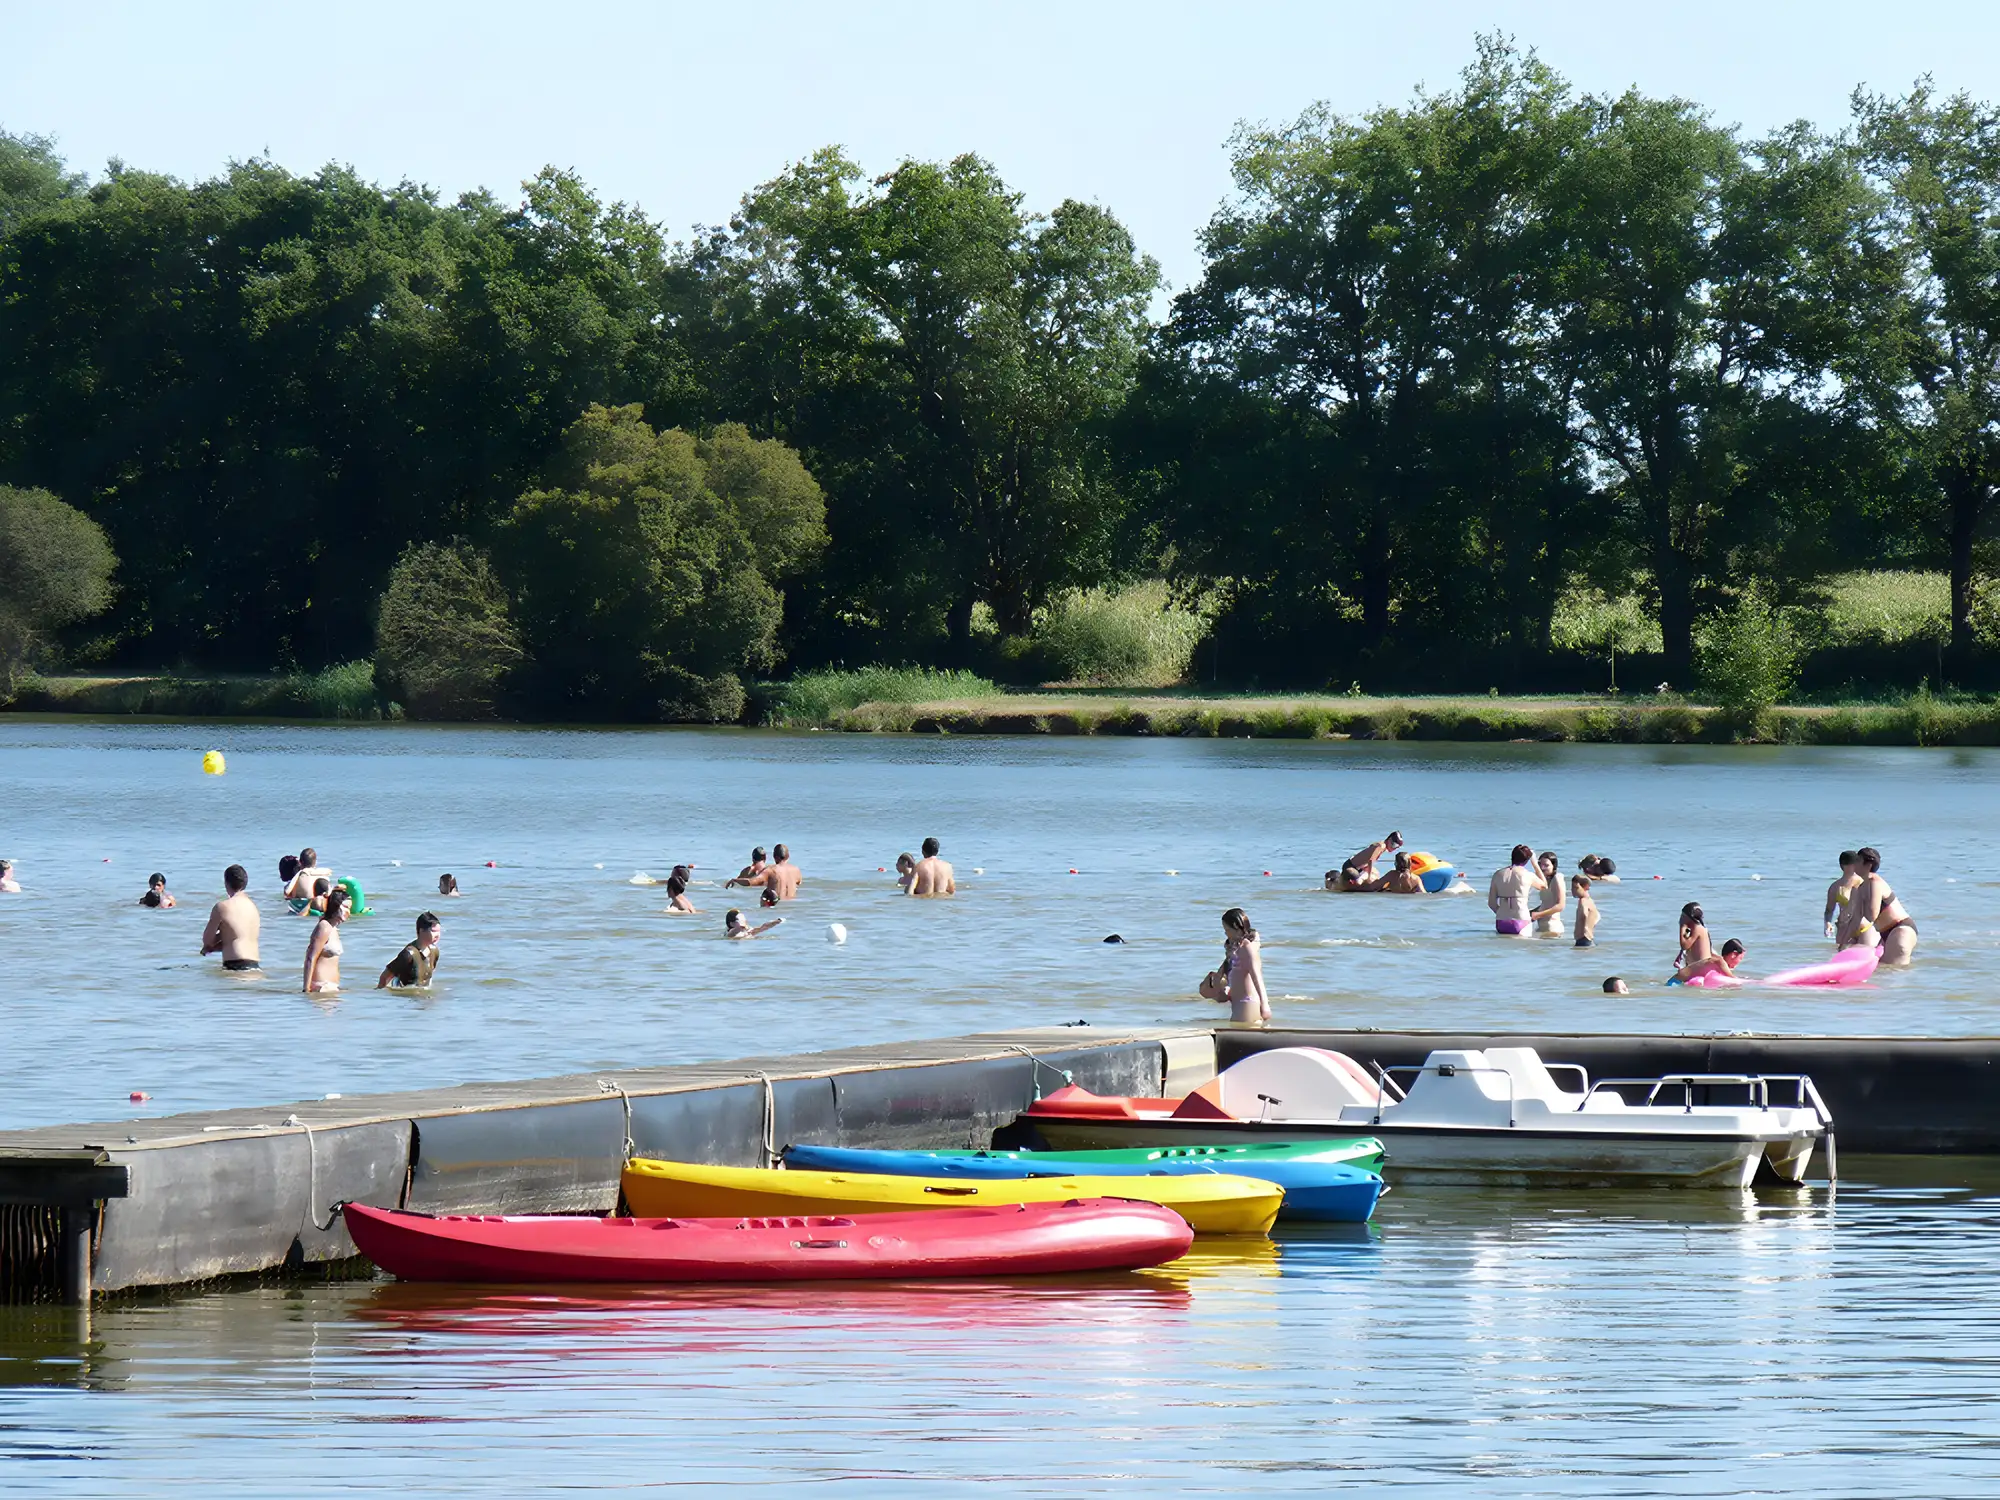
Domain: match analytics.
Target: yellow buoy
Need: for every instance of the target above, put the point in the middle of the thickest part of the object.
(212, 763)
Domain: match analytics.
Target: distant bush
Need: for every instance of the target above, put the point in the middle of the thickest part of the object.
(820, 698)
(1136, 637)
(1747, 656)
(343, 692)
(445, 640)
(55, 568)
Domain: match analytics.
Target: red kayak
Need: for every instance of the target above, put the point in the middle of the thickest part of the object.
(1093, 1234)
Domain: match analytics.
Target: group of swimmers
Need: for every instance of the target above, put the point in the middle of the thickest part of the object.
(1526, 894)
(235, 930)
(776, 879)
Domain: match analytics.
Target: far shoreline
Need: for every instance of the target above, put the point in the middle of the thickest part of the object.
(1919, 721)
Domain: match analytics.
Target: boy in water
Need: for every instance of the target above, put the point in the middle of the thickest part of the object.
(1841, 891)
(8, 883)
(1586, 911)
(413, 967)
(233, 925)
(157, 895)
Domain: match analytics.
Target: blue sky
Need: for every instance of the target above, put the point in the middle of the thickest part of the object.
(682, 108)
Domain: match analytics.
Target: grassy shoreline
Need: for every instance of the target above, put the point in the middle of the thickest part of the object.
(1920, 720)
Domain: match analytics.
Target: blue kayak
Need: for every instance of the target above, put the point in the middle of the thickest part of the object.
(1325, 1191)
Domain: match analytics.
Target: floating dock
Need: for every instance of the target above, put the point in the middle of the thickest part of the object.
(188, 1198)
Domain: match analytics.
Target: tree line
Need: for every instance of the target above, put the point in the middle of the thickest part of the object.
(1446, 365)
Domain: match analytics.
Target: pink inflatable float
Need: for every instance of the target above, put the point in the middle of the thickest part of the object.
(1849, 966)
(1712, 979)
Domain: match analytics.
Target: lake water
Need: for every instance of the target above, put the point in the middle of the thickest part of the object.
(1512, 1342)
(554, 963)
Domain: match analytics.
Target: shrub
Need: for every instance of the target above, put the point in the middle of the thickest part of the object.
(1747, 656)
(1133, 638)
(343, 692)
(445, 640)
(819, 699)
(55, 568)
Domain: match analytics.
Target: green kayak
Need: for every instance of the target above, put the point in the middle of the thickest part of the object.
(1364, 1152)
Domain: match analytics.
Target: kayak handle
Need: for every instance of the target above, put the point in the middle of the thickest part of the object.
(819, 1244)
(953, 1192)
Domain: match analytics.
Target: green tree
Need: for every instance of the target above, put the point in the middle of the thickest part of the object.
(650, 580)
(32, 178)
(55, 569)
(1938, 161)
(1747, 656)
(1706, 293)
(445, 638)
(985, 345)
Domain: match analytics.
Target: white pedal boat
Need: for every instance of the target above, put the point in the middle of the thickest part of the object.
(1495, 1117)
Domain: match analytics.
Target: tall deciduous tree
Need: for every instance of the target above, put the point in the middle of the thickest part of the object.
(650, 579)
(1701, 297)
(987, 343)
(1939, 163)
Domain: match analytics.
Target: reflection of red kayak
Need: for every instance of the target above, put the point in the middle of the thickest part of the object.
(1099, 1234)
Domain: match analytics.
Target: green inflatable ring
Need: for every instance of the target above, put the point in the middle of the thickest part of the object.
(357, 903)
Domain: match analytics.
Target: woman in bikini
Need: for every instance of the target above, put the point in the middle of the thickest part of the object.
(1548, 917)
(322, 975)
(1240, 981)
(1874, 912)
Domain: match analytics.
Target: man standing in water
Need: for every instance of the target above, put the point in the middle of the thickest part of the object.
(780, 879)
(413, 967)
(933, 876)
(233, 924)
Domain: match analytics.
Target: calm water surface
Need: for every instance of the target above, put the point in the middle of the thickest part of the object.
(553, 962)
(1509, 1343)
(1493, 1343)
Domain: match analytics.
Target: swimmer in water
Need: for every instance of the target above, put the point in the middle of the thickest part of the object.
(1873, 913)
(677, 897)
(316, 902)
(1598, 868)
(1616, 986)
(932, 875)
(754, 871)
(1586, 911)
(1239, 983)
(1548, 917)
(1840, 893)
(1723, 963)
(322, 975)
(1509, 894)
(233, 925)
(157, 895)
(1697, 954)
(1364, 861)
(780, 879)
(447, 885)
(8, 884)
(1401, 881)
(734, 926)
(412, 968)
(906, 871)
(300, 885)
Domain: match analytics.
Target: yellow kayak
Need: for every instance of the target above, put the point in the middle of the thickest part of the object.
(1211, 1203)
